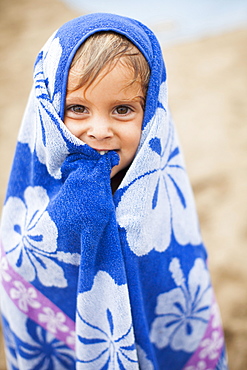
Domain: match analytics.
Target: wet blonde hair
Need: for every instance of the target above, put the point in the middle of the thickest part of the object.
(102, 51)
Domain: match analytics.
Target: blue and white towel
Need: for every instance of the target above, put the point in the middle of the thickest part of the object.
(91, 280)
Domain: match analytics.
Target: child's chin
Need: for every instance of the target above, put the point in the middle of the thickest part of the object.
(114, 171)
(118, 172)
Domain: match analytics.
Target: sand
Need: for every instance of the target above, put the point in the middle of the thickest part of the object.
(208, 98)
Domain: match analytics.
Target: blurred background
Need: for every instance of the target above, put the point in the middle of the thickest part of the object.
(205, 49)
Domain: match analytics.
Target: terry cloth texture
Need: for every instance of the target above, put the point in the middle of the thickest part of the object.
(91, 280)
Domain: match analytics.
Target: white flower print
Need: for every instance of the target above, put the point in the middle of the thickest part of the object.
(10, 344)
(216, 316)
(160, 196)
(70, 340)
(40, 349)
(4, 268)
(144, 362)
(51, 60)
(44, 133)
(183, 312)
(163, 95)
(26, 297)
(55, 321)
(104, 326)
(30, 237)
(211, 346)
(201, 365)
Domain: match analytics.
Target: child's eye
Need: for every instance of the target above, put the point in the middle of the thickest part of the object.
(123, 109)
(77, 109)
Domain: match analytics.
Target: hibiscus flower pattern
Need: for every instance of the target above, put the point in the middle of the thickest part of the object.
(211, 346)
(183, 312)
(144, 362)
(25, 296)
(29, 236)
(105, 341)
(201, 365)
(39, 350)
(4, 275)
(10, 345)
(161, 197)
(46, 123)
(54, 321)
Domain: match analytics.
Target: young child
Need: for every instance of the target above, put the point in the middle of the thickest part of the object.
(102, 262)
(108, 62)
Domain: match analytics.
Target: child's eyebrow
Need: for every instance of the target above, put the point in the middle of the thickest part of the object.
(138, 98)
(135, 98)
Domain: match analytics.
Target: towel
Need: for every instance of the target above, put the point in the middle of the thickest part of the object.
(91, 280)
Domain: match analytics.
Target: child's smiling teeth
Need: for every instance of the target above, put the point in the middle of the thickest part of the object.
(101, 152)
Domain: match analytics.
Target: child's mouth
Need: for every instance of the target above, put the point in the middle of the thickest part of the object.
(102, 152)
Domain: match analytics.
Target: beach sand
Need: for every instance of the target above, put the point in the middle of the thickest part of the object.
(207, 82)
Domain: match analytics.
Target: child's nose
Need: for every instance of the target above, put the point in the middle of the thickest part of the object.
(100, 130)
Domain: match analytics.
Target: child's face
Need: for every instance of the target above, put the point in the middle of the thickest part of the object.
(108, 116)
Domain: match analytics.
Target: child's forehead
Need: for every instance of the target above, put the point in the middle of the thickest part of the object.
(103, 53)
(119, 74)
